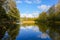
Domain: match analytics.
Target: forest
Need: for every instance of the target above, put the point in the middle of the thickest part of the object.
(9, 17)
(52, 16)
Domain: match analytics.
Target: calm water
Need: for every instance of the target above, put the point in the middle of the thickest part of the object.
(31, 32)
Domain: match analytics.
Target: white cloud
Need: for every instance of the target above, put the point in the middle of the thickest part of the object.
(26, 15)
(18, 1)
(43, 36)
(33, 28)
(37, 1)
(30, 15)
(35, 14)
(43, 7)
(29, 2)
(22, 27)
(33, 1)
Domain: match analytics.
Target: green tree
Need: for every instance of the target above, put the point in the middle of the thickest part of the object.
(42, 18)
(9, 20)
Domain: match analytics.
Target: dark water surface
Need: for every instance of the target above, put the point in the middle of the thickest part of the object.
(30, 32)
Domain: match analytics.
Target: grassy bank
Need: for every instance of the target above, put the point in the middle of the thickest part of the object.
(28, 22)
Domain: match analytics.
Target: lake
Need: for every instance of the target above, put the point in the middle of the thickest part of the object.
(30, 32)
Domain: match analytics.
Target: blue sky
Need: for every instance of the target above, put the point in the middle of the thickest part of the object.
(32, 8)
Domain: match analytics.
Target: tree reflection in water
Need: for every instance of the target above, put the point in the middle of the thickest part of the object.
(52, 30)
(2, 32)
(11, 34)
(9, 25)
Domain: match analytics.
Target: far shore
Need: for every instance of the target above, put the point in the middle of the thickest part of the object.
(28, 22)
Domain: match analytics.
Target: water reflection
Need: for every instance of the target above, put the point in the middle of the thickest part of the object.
(9, 33)
(2, 32)
(30, 32)
(52, 30)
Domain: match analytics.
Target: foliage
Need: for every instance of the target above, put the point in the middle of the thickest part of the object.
(42, 18)
(8, 21)
(52, 16)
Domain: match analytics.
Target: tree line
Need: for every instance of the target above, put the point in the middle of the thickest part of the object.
(52, 16)
(9, 20)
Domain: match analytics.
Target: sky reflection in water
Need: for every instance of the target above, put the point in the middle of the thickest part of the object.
(31, 33)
